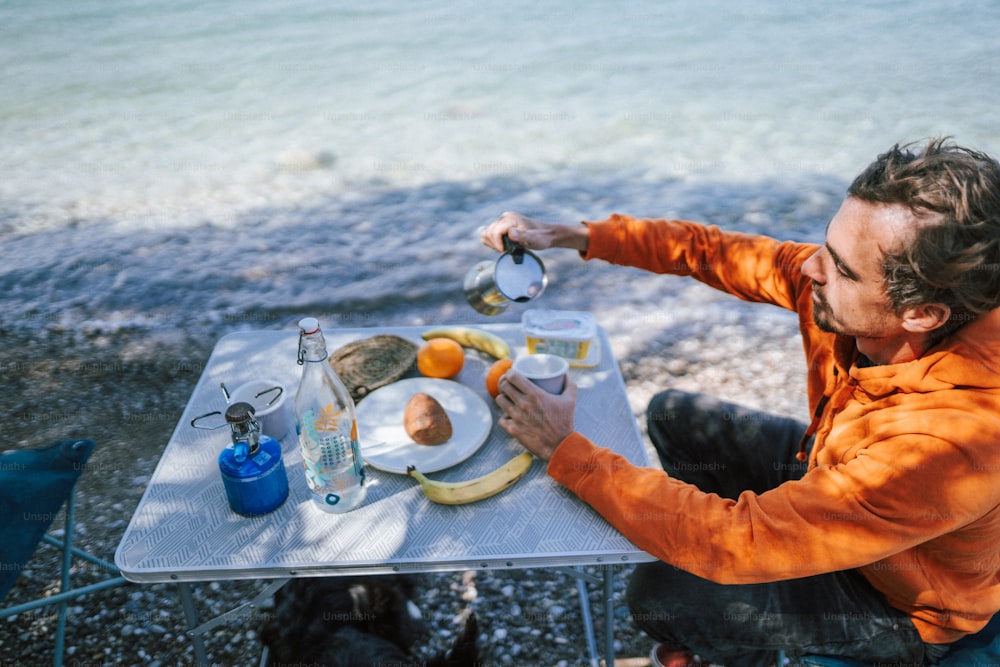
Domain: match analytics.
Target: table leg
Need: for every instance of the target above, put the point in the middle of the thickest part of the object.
(195, 631)
(582, 577)
(191, 616)
(588, 622)
(609, 616)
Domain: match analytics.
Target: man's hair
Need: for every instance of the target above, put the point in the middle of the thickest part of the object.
(954, 255)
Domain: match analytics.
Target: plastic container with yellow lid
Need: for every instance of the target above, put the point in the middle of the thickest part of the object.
(571, 334)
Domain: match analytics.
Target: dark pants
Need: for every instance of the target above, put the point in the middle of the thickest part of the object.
(727, 449)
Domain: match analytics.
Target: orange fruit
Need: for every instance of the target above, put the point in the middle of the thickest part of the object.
(496, 372)
(440, 358)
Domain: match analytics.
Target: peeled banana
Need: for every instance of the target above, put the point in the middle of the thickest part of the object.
(478, 339)
(469, 491)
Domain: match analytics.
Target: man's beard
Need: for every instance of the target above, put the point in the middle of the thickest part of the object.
(822, 314)
(825, 319)
(822, 319)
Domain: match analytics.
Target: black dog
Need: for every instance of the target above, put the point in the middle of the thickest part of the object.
(354, 622)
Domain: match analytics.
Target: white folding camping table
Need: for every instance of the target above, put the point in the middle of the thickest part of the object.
(183, 529)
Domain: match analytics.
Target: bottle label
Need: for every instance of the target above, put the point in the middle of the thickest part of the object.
(331, 453)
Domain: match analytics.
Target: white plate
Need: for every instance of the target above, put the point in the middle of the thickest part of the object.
(385, 443)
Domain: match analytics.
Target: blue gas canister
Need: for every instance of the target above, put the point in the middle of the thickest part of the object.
(252, 470)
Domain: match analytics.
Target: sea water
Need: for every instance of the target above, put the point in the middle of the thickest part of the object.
(226, 165)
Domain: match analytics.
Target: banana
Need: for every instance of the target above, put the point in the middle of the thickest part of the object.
(484, 341)
(469, 491)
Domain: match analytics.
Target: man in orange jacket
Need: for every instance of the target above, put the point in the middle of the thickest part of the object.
(883, 544)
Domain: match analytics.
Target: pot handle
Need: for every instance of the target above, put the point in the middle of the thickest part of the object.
(514, 249)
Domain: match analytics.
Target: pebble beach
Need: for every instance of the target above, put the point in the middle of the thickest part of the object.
(174, 172)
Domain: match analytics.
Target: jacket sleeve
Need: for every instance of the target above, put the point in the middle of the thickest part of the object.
(754, 268)
(828, 520)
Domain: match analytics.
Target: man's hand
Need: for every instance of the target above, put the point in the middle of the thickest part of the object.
(537, 419)
(534, 234)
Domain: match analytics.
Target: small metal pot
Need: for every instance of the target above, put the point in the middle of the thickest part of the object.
(517, 275)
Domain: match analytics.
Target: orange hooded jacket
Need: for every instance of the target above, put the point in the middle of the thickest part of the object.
(903, 482)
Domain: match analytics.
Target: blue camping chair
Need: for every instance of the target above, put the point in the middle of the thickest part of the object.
(34, 485)
(982, 648)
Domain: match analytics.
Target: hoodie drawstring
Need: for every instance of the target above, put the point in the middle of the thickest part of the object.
(811, 431)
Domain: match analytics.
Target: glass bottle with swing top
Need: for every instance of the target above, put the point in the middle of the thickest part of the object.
(327, 428)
